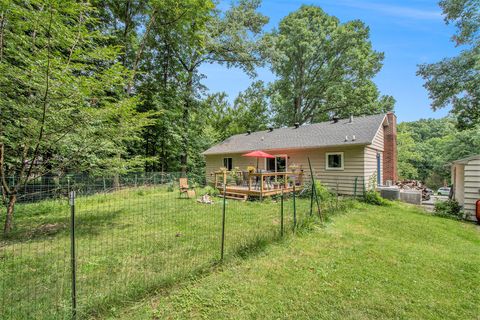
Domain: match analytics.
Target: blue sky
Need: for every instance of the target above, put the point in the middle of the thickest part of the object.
(409, 32)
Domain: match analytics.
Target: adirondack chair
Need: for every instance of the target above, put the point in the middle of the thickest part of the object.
(185, 188)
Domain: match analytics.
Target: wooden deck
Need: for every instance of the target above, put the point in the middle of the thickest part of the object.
(259, 185)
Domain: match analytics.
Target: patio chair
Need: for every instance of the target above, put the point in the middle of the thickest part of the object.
(186, 189)
(245, 178)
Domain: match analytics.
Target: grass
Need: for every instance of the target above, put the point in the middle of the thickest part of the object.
(129, 244)
(392, 262)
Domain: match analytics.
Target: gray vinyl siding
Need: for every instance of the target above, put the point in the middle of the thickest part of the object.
(471, 187)
(378, 140)
(370, 160)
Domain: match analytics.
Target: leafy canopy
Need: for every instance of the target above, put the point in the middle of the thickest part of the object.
(455, 81)
(323, 67)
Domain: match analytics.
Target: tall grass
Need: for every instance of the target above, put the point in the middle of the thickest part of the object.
(128, 243)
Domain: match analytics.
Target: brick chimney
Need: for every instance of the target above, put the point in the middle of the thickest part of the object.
(390, 149)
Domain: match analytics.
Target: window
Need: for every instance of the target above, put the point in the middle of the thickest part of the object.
(277, 164)
(334, 161)
(227, 163)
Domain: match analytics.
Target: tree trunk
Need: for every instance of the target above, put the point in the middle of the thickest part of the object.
(12, 199)
(186, 122)
(116, 181)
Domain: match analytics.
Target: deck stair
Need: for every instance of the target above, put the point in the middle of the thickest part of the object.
(234, 195)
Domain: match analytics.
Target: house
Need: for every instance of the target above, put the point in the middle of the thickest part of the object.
(345, 154)
(466, 183)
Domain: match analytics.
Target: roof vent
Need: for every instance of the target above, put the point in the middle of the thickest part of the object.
(249, 131)
(351, 118)
(296, 124)
(335, 119)
(270, 129)
(353, 138)
(346, 138)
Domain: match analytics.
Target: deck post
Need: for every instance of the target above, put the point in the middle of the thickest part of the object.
(249, 182)
(261, 186)
(285, 182)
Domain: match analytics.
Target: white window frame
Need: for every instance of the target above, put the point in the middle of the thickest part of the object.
(231, 161)
(331, 154)
(278, 156)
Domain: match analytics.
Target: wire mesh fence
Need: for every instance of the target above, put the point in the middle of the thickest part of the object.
(78, 254)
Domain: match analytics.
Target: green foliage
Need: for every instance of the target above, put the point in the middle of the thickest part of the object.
(63, 104)
(450, 208)
(323, 67)
(427, 146)
(455, 81)
(249, 112)
(211, 191)
(373, 197)
(323, 193)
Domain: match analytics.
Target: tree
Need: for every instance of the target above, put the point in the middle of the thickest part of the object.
(455, 81)
(324, 67)
(249, 112)
(62, 94)
(427, 147)
(205, 35)
(407, 156)
(251, 109)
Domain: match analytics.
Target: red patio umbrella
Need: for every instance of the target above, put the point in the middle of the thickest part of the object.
(258, 154)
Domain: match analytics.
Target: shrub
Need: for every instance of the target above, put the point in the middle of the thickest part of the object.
(373, 197)
(322, 191)
(449, 208)
(211, 191)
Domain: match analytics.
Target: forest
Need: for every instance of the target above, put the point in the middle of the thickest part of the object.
(106, 87)
(427, 147)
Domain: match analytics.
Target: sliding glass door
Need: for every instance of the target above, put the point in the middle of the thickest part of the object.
(277, 164)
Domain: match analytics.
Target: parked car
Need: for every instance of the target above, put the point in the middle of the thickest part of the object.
(443, 191)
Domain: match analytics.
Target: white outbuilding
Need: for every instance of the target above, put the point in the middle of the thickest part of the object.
(466, 183)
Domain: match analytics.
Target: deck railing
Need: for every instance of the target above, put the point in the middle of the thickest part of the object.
(258, 181)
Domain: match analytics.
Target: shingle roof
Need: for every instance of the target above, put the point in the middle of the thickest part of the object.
(321, 134)
(466, 160)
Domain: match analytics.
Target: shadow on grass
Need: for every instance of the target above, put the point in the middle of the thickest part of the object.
(51, 227)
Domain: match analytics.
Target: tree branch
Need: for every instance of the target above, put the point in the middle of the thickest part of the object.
(45, 97)
(140, 51)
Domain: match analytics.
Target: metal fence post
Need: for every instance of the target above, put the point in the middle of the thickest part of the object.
(355, 188)
(336, 202)
(73, 255)
(364, 190)
(281, 213)
(223, 220)
(311, 198)
(294, 210)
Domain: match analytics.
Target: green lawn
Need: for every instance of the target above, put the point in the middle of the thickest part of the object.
(129, 244)
(371, 263)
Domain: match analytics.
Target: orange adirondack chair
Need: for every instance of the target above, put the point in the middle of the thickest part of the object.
(185, 188)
